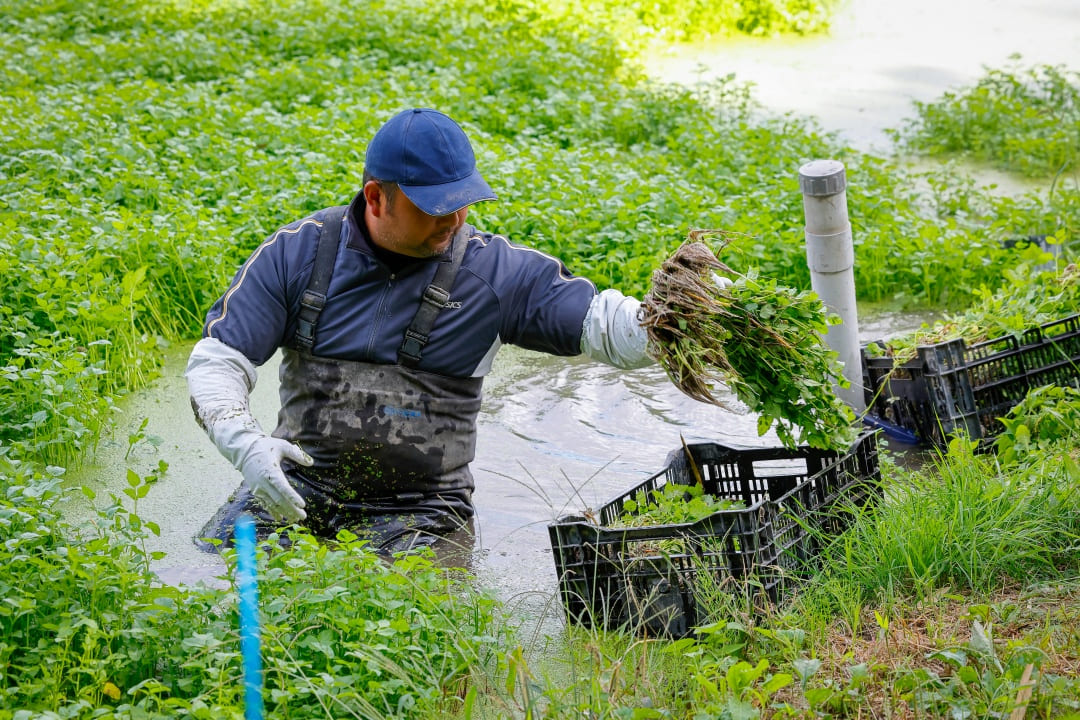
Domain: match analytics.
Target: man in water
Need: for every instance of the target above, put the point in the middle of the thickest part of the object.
(388, 313)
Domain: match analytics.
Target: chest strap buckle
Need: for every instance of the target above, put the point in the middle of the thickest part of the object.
(413, 345)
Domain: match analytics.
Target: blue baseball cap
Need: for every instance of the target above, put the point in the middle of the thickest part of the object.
(430, 158)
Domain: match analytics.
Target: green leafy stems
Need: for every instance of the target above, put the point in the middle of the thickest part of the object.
(673, 504)
(761, 339)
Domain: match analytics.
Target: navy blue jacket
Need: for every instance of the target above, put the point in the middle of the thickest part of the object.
(504, 293)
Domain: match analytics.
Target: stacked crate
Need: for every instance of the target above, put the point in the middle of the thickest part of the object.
(952, 386)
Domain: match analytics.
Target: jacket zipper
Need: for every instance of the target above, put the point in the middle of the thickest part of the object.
(379, 315)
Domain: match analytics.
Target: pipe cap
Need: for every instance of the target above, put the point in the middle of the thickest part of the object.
(822, 177)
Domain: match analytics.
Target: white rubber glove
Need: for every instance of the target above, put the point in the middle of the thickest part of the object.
(261, 467)
(721, 282)
(612, 332)
(220, 380)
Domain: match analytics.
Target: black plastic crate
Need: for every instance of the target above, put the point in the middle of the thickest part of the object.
(656, 579)
(952, 386)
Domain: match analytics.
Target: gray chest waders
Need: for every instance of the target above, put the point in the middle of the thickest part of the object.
(389, 436)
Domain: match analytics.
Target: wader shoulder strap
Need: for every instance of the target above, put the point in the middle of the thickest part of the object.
(314, 298)
(435, 298)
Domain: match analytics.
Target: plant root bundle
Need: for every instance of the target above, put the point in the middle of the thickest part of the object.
(762, 340)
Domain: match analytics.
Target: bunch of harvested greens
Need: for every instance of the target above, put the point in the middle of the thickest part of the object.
(762, 340)
(673, 504)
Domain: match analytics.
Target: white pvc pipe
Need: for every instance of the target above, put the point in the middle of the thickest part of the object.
(830, 254)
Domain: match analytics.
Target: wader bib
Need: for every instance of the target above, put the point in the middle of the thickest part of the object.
(391, 444)
(384, 435)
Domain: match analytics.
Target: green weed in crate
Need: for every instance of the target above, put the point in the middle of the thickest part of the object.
(1026, 302)
(671, 504)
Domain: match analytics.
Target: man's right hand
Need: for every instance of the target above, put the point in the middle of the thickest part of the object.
(262, 472)
(220, 380)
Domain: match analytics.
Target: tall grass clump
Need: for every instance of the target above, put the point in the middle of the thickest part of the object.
(969, 522)
(1021, 119)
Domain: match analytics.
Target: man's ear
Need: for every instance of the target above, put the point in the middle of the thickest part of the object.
(375, 198)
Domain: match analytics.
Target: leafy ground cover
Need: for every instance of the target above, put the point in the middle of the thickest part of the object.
(693, 21)
(149, 146)
(1018, 118)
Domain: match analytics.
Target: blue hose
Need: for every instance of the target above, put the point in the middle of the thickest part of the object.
(249, 617)
(894, 431)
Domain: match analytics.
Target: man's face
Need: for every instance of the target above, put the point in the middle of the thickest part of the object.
(403, 228)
